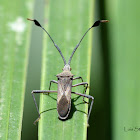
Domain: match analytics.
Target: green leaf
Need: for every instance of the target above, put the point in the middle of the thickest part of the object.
(66, 22)
(125, 69)
(14, 48)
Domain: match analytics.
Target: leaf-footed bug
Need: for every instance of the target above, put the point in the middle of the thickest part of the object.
(64, 82)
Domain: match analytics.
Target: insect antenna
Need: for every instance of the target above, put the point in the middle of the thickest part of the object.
(97, 23)
(38, 24)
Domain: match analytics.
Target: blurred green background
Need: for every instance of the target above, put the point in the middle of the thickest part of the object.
(115, 71)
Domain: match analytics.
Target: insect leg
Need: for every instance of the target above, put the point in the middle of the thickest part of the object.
(39, 91)
(78, 78)
(83, 83)
(52, 81)
(90, 97)
(86, 86)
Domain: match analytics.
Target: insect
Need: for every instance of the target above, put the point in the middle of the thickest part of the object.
(64, 82)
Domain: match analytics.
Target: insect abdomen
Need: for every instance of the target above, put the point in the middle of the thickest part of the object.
(63, 107)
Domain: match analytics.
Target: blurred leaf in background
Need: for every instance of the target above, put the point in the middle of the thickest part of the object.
(124, 50)
(100, 78)
(115, 79)
(14, 48)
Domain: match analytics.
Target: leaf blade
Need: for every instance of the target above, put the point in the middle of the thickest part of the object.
(50, 126)
(14, 56)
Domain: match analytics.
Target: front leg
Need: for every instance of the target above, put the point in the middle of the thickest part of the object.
(83, 83)
(90, 97)
(78, 78)
(40, 91)
(52, 81)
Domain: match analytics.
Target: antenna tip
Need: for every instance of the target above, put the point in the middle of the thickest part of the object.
(97, 23)
(104, 21)
(30, 19)
(35, 21)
